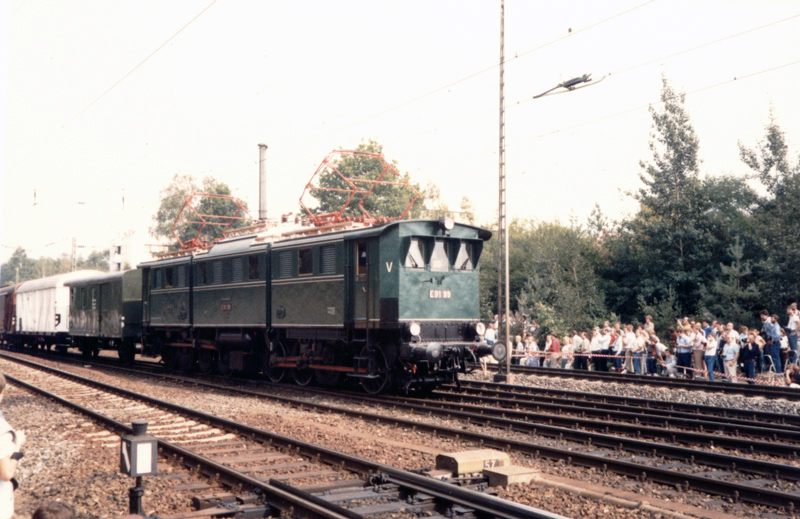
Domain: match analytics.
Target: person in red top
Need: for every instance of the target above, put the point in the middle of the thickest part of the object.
(553, 349)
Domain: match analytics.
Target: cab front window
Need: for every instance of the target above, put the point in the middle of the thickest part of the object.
(415, 258)
(464, 258)
(440, 261)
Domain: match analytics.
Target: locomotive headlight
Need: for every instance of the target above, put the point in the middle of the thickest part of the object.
(414, 329)
(480, 329)
(447, 223)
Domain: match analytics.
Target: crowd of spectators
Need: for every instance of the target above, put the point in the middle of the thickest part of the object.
(692, 349)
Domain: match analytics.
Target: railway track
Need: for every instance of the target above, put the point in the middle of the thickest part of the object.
(763, 390)
(258, 465)
(587, 441)
(640, 411)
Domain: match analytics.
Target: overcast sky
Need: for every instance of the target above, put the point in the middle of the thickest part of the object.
(106, 100)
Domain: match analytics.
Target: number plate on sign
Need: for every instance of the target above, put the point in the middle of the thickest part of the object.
(439, 294)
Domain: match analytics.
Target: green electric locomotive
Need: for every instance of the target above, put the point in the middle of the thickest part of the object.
(387, 306)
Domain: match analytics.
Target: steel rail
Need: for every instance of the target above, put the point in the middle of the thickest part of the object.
(646, 416)
(517, 418)
(514, 391)
(277, 498)
(768, 391)
(682, 480)
(737, 491)
(781, 427)
(484, 503)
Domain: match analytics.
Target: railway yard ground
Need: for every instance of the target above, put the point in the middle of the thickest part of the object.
(626, 450)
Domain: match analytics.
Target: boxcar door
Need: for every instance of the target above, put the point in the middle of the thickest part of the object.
(94, 319)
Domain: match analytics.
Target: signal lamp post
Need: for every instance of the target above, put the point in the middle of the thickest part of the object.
(138, 457)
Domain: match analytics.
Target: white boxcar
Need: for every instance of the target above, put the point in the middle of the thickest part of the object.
(43, 308)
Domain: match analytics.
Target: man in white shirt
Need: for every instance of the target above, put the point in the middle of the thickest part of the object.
(603, 348)
(618, 350)
(791, 332)
(578, 350)
(628, 343)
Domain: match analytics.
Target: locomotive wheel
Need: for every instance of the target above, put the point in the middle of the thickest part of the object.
(276, 350)
(206, 360)
(302, 376)
(224, 363)
(378, 365)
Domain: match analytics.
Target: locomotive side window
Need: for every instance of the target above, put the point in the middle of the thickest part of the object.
(285, 264)
(305, 263)
(328, 259)
(464, 258)
(440, 261)
(168, 277)
(252, 267)
(361, 253)
(182, 276)
(415, 259)
(201, 273)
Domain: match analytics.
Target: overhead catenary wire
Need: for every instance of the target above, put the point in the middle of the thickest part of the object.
(465, 78)
(249, 164)
(494, 110)
(620, 113)
(615, 74)
(444, 87)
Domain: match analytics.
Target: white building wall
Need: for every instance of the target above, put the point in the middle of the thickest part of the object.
(129, 250)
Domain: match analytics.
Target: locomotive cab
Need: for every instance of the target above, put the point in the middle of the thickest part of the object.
(414, 302)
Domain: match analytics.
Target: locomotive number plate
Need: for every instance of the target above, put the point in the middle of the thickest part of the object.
(439, 294)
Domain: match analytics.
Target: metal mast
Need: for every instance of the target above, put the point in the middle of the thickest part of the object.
(502, 224)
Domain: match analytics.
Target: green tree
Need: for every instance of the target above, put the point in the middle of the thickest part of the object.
(385, 200)
(467, 211)
(561, 280)
(776, 219)
(684, 223)
(46, 266)
(19, 267)
(598, 226)
(97, 260)
(553, 275)
(435, 207)
(173, 198)
(671, 201)
(664, 311)
(732, 296)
